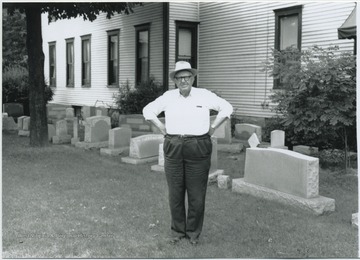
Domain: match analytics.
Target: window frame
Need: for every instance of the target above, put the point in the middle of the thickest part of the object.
(193, 27)
(138, 29)
(110, 34)
(83, 39)
(70, 84)
(283, 12)
(52, 83)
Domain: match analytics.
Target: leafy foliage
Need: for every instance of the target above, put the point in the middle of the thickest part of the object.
(317, 101)
(15, 87)
(130, 100)
(14, 40)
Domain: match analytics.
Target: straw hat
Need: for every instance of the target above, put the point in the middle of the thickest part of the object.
(182, 65)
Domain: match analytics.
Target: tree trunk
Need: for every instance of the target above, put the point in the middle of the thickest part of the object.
(38, 122)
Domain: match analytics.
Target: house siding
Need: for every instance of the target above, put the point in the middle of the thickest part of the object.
(99, 92)
(188, 11)
(236, 38)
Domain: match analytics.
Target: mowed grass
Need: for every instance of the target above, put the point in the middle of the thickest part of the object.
(65, 202)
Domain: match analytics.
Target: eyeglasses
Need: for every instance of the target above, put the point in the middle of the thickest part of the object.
(186, 78)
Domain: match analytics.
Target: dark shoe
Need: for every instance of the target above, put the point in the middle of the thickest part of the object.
(194, 241)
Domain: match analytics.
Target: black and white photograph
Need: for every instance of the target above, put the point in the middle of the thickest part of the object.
(179, 129)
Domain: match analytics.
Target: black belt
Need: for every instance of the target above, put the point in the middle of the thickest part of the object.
(186, 136)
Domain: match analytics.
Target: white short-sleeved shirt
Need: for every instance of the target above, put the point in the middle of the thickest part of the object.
(187, 115)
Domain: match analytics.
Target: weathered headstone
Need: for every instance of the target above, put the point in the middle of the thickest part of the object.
(70, 112)
(61, 133)
(161, 161)
(285, 176)
(214, 171)
(75, 137)
(96, 132)
(137, 123)
(51, 131)
(20, 122)
(278, 139)
(223, 131)
(101, 111)
(224, 181)
(87, 111)
(5, 115)
(244, 131)
(144, 149)
(9, 125)
(13, 109)
(24, 126)
(119, 141)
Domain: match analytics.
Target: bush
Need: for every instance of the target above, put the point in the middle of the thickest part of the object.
(15, 87)
(317, 102)
(131, 100)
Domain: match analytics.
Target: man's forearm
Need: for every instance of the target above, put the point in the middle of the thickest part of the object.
(158, 124)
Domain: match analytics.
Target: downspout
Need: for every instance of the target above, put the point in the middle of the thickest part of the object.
(166, 46)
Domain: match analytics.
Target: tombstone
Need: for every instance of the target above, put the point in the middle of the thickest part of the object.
(61, 133)
(20, 122)
(244, 131)
(354, 220)
(119, 141)
(70, 113)
(96, 132)
(161, 161)
(9, 125)
(223, 131)
(87, 111)
(224, 182)
(13, 109)
(284, 176)
(307, 150)
(101, 111)
(137, 122)
(214, 172)
(25, 126)
(5, 115)
(253, 141)
(144, 149)
(75, 137)
(51, 131)
(278, 139)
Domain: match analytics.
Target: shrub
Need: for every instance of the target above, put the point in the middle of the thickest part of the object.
(317, 102)
(130, 100)
(15, 87)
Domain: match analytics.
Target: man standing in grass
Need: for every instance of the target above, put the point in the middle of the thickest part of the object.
(187, 147)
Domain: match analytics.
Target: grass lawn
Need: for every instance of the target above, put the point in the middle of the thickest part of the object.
(64, 202)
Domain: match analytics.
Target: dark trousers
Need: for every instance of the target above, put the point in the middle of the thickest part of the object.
(187, 164)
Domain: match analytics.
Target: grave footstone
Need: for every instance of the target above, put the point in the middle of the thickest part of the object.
(144, 149)
(284, 176)
(20, 122)
(224, 182)
(119, 141)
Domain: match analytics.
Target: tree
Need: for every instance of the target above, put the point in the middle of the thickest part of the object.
(318, 99)
(56, 11)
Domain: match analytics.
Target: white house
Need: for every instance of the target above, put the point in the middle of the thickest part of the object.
(226, 41)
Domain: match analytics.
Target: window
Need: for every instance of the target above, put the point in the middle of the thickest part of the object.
(52, 64)
(142, 52)
(288, 24)
(186, 42)
(113, 58)
(70, 62)
(85, 60)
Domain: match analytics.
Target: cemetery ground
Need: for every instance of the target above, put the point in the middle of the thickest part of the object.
(65, 202)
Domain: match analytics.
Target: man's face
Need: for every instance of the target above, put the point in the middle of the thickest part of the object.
(184, 80)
